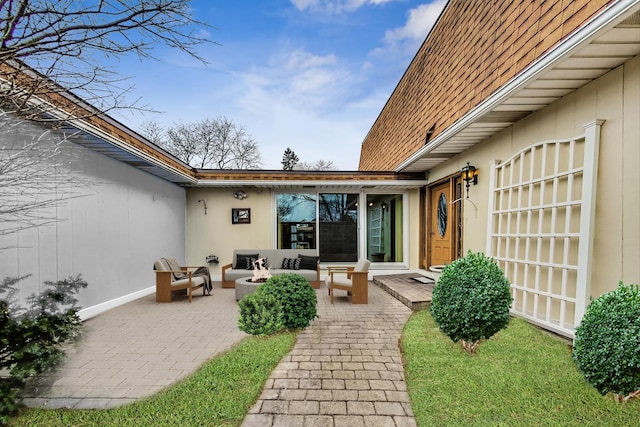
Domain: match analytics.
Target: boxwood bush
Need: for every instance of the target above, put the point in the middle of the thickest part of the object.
(471, 300)
(296, 296)
(260, 314)
(607, 342)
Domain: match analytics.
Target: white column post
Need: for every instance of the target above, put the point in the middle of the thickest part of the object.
(491, 205)
(587, 217)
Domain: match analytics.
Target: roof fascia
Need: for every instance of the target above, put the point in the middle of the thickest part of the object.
(79, 123)
(608, 17)
(279, 183)
(91, 129)
(83, 126)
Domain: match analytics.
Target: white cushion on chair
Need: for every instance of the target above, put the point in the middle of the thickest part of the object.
(341, 280)
(160, 265)
(195, 281)
(362, 265)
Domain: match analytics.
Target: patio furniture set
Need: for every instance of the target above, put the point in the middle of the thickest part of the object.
(171, 277)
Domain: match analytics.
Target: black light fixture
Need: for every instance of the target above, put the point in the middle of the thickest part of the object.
(384, 206)
(240, 195)
(205, 205)
(469, 174)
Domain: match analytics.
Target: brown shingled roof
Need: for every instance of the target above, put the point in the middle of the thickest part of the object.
(474, 49)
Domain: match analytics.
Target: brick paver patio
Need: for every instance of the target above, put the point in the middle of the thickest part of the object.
(139, 348)
(345, 369)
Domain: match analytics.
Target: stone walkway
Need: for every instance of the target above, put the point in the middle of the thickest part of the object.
(345, 370)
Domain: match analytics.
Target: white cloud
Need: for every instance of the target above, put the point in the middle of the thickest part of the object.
(402, 42)
(306, 102)
(334, 6)
(304, 80)
(319, 105)
(305, 4)
(301, 60)
(419, 23)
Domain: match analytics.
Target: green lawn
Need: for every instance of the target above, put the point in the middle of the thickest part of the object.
(218, 394)
(521, 376)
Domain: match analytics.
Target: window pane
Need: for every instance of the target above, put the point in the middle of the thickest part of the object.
(296, 220)
(384, 228)
(338, 226)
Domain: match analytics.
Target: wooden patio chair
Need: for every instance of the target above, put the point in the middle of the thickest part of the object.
(180, 279)
(353, 279)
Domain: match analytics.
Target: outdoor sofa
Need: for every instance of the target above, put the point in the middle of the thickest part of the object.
(304, 262)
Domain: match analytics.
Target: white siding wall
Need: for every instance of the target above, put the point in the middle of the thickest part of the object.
(111, 235)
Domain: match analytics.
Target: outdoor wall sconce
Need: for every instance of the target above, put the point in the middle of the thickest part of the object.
(205, 205)
(384, 206)
(469, 174)
(240, 195)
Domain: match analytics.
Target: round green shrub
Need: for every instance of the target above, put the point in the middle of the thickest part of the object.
(296, 296)
(471, 300)
(260, 314)
(607, 342)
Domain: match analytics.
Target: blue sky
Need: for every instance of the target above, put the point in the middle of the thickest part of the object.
(311, 75)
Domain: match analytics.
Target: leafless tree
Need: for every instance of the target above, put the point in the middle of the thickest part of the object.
(54, 67)
(211, 143)
(153, 132)
(51, 48)
(318, 165)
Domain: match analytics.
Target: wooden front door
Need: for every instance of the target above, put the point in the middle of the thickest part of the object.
(441, 230)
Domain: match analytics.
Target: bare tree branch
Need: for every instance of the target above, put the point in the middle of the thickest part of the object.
(318, 165)
(62, 41)
(36, 176)
(54, 57)
(211, 143)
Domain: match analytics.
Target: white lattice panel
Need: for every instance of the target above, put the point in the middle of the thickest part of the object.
(542, 203)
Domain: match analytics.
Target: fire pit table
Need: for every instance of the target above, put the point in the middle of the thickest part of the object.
(244, 286)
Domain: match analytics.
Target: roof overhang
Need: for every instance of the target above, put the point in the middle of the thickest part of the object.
(316, 185)
(87, 127)
(611, 38)
(302, 180)
(95, 139)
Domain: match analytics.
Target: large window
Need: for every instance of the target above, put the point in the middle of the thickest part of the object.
(296, 220)
(329, 222)
(384, 228)
(326, 221)
(338, 227)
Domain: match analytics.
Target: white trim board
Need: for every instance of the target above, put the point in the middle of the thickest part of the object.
(89, 312)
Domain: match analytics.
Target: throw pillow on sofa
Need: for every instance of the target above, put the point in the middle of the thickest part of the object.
(308, 262)
(291, 263)
(241, 261)
(251, 263)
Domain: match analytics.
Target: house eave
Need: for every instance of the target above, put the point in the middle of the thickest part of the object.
(315, 185)
(582, 57)
(92, 129)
